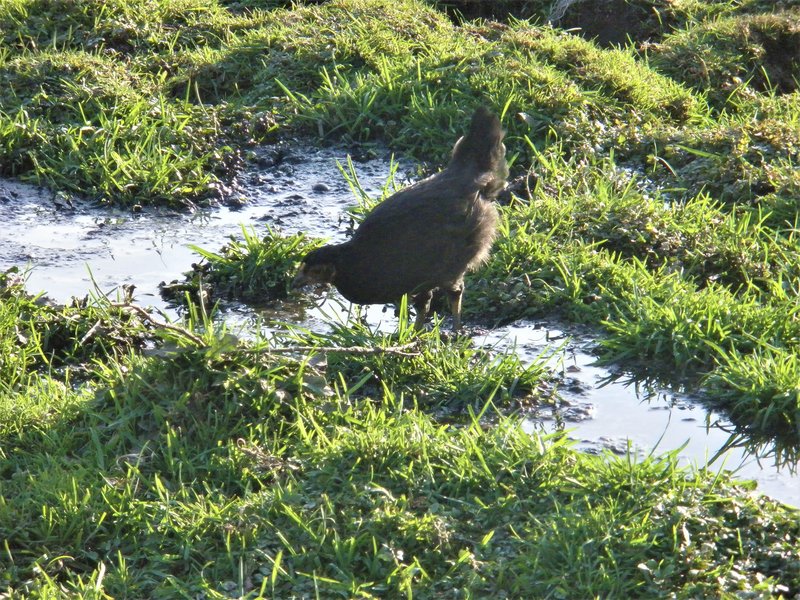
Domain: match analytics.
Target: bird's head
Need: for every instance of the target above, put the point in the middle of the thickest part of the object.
(318, 267)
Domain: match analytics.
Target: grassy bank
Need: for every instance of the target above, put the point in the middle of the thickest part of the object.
(241, 469)
(654, 196)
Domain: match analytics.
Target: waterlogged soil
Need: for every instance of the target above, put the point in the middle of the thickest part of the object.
(73, 248)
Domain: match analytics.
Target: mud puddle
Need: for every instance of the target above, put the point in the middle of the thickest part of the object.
(69, 246)
(296, 188)
(602, 410)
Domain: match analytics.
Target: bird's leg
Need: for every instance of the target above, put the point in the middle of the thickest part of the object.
(422, 304)
(454, 296)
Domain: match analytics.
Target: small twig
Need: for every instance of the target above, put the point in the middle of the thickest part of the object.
(143, 314)
(89, 334)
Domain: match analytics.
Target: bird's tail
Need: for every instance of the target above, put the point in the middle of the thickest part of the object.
(482, 152)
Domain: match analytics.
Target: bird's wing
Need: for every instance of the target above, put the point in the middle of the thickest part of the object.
(430, 206)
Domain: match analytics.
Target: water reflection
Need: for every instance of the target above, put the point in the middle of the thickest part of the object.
(602, 407)
(607, 410)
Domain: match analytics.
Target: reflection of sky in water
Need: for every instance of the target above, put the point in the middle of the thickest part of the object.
(145, 249)
(610, 414)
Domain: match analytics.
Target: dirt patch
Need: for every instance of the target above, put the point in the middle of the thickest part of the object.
(495, 10)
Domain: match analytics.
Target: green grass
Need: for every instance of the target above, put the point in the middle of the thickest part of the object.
(651, 199)
(450, 375)
(255, 270)
(100, 99)
(735, 55)
(217, 467)
(119, 111)
(691, 287)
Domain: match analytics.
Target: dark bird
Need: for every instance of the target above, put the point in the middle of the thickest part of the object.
(426, 236)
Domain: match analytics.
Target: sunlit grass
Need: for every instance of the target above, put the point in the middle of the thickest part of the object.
(733, 57)
(140, 114)
(691, 288)
(253, 269)
(145, 459)
(215, 466)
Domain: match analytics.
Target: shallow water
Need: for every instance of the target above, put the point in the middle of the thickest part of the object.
(603, 412)
(72, 248)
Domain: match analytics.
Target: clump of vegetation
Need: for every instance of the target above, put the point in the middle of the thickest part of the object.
(760, 391)
(47, 353)
(734, 56)
(252, 269)
(448, 375)
(39, 336)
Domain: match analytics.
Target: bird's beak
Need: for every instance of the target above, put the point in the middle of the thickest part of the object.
(301, 278)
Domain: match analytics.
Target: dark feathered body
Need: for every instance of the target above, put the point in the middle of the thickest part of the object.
(430, 234)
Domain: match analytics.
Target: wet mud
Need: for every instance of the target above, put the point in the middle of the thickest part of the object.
(73, 248)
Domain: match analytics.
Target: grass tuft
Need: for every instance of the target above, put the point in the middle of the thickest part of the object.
(252, 269)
